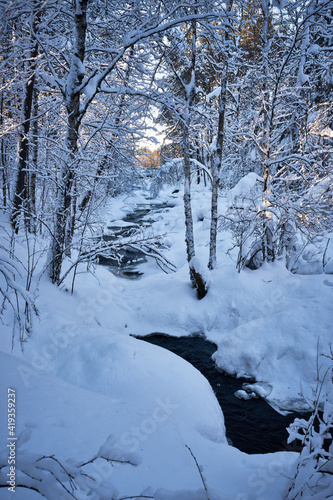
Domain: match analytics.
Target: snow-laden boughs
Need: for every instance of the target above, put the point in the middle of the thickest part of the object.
(314, 472)
(15, 291)
(68, 479)
(300, 229)
(283, 134)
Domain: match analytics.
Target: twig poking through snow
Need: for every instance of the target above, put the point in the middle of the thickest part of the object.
(196, 463)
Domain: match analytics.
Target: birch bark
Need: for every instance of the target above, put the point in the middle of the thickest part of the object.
(217, 158)
(196, 277)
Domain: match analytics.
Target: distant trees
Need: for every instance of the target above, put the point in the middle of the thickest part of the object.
(149, 158)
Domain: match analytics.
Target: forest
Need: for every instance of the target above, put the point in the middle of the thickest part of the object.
(191, 141)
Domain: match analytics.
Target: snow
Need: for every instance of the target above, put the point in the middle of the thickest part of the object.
(256, 390)
(215, 93)
(244, 186)
(327, 132)
(301, 78)
(145, 408)
(90, 87)
(86, 388)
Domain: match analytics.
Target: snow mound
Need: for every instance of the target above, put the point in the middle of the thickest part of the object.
(119, 367)
(243, 186)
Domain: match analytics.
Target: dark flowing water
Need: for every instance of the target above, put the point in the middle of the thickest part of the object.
(252, 426)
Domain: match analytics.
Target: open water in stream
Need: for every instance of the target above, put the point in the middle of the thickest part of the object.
(252, 426)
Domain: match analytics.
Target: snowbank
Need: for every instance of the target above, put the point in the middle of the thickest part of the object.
(148, 407)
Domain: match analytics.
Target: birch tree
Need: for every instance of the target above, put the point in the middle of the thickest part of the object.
(217, 154)
(180, 110)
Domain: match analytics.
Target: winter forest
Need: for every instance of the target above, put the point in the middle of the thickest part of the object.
(166, 225)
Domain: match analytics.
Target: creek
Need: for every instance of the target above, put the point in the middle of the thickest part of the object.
(252, 426)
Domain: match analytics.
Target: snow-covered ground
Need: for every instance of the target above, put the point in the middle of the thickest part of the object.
(83, 381)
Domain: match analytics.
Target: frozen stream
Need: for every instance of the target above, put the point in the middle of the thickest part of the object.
(252, 426)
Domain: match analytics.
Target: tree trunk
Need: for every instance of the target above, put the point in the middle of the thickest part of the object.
(20, 194)
(267, 241)
(189, 237)
(216, 169)
(34, 167)
(217, 158)
(197, 279)
(65, 214)
(4, 179)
